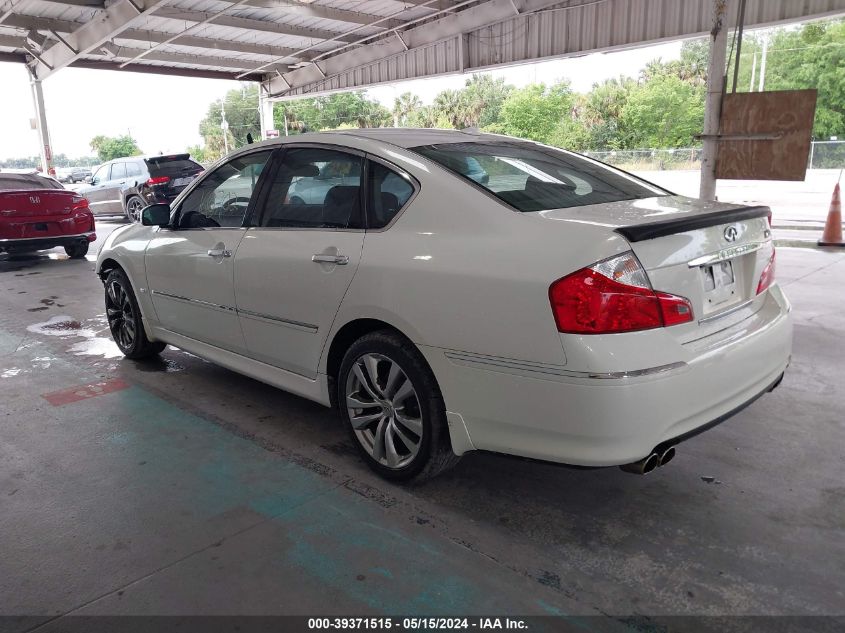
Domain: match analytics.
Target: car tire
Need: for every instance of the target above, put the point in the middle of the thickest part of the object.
(77, 251)
(133, 207)
(124, 318)
(401, 430)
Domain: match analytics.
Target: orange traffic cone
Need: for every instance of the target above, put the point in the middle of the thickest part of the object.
(832, 235)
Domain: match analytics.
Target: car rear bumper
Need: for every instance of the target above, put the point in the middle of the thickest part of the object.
(43, 243)
(604, 420)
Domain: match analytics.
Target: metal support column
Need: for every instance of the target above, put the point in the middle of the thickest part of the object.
(715, 89)
(45, 148)
(265, 111)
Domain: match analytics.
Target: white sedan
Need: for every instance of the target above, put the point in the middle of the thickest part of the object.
(552, 307)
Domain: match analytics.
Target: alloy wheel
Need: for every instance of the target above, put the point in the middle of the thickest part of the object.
(384, 410)
(120, 314)
(134, 208)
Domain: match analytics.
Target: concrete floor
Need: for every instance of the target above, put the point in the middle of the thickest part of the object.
(178, 487)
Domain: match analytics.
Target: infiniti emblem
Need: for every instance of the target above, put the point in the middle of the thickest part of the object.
(731, 233)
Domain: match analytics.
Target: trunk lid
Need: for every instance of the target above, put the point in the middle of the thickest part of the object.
(38, 202)
(712, 253)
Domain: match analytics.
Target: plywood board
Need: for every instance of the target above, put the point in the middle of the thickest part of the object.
(788, 114)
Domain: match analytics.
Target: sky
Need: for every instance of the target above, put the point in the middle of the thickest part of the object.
(163, 113)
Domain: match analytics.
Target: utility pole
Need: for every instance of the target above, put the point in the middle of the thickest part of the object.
(713, 104)
(763, 62)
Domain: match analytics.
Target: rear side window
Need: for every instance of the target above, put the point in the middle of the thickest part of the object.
(118, 171)
(531, 177)
(388, 193)
(27, 181)
(133, 169)
(315, 188)
(177, 167)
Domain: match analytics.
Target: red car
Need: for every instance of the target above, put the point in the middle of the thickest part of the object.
(37, 213)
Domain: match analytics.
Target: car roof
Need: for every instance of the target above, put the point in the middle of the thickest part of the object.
(414, 137)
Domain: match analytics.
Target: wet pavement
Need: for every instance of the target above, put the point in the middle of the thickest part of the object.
(175, 486)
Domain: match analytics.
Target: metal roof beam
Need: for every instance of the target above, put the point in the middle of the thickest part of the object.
(250, 24)
(468, 19)
(119, 54)
(94, 4)
(194, 41)
(63, 26)
(12, 41)
(324, 13)
(109, 23)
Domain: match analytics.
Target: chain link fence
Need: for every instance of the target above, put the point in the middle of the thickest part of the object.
(823, 155)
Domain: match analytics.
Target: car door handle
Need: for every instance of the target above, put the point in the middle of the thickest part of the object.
(340, 260)
(219, 252)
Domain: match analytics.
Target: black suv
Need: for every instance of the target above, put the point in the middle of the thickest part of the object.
(124, 186)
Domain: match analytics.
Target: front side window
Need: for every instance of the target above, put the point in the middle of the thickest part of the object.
(531, 177)
(315, 188)
(223, 197)
(388, 193)
(101, 174)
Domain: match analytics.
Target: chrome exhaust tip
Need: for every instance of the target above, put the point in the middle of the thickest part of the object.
(667, 456)
(644, 466)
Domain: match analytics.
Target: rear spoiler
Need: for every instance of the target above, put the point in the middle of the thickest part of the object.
(641, 232)
(165, 159)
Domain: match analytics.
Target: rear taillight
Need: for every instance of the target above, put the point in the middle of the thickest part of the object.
(79, 203)
(767, 277)
(158, 180)
(614, 295)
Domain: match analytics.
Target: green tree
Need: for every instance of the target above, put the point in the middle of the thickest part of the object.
(482, 99)
(403, 106)
(665, 111)
(536, 112)
(329, 112)
(449, 106)
(242, 117)
(199, 154)
(601, 111)
(425, 116)
(110, 147)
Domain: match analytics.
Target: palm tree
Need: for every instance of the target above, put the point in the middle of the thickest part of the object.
(449, 104)
(403, 105)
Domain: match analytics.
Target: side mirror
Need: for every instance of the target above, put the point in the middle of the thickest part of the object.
(156, 215)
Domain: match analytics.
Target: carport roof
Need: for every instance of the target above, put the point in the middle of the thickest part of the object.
(248, 39)
(309, 47)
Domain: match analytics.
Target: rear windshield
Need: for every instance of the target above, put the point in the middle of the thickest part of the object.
(27, 181)
(531, 177)
(170, 167)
